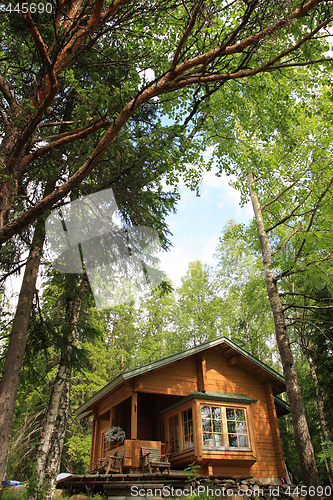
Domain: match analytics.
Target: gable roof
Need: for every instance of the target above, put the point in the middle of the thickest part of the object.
(227, 347)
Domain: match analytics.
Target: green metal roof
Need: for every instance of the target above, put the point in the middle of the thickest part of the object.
(171, 359)
(285, 406)
(212, 396)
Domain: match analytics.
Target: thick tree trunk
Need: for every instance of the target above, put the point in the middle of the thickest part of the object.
(54, 428)
(53, 435)
(301, 430)
(18, 338)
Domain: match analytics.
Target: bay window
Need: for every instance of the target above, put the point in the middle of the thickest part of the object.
(224, 427)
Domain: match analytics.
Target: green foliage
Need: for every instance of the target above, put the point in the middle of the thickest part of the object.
(327, 452)
(192, 472)
(246, 313)
(77, 449)
(9, 494)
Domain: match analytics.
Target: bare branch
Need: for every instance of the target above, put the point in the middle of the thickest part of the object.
(54, 124)
(67, 137)
(50, 88)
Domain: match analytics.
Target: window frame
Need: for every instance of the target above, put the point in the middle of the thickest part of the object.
(182, 413)
(225, 434)
(178, 412)
(199, 449)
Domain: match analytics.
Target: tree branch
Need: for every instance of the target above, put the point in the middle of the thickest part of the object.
(51, 87)
(312, 218)
(8, 95)
(290, 215)
(186, 33)
(279, 195)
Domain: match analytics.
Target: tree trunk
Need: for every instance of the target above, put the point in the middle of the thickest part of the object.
(18, 338)
(319, 403)
(54, 428)
(301, 430)
(53, 436)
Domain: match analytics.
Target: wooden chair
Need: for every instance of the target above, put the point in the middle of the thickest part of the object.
(152, 459)
(165, 452)
(99, 466)
(115, 463)
(110, 463)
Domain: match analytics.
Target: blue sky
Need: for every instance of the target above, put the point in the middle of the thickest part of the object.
(198, 223)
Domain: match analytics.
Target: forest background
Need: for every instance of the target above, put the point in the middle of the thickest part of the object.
(251, 79)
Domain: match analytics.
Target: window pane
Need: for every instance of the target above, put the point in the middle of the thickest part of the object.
(207, 439)
(216, 413)
(205, 411)
(240, 415)
(218, 439)
(212, 426)
(241, 427)
(206, 426)
(243, 441)
(230, 414)
(233, 440)
(232, 427)
(187, 429)
(217, 425)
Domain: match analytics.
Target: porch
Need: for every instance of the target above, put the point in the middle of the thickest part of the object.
(129, 456)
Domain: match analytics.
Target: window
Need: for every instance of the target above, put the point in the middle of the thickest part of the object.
(173, 433)
(187, 429)
(224, 427)
(237, 430)
(211, 425)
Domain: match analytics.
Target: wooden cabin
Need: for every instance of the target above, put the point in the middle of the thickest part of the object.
(214, 404)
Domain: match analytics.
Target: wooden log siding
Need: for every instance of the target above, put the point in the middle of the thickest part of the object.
(179, 378)
(275, 432)
(114, 399)
(223, 377)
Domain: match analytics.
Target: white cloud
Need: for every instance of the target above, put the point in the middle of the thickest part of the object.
(175, 262)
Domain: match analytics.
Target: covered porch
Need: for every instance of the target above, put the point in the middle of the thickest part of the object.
(139, 415)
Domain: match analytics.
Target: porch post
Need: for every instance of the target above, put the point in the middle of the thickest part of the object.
(134, 416)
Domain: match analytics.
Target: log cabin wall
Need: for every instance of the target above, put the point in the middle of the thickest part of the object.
(179, 378)
(223, 377)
